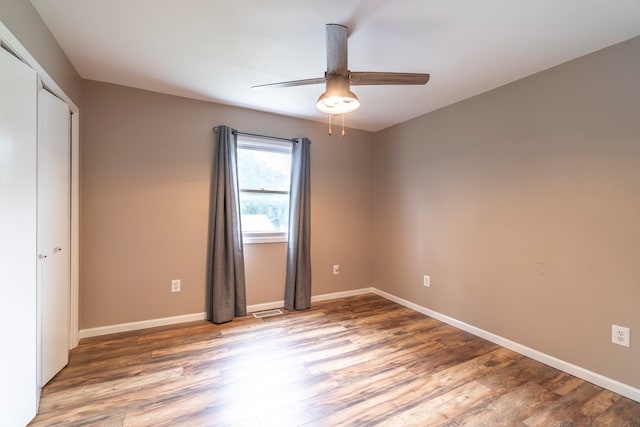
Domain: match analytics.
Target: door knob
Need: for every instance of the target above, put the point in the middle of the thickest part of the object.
(42, 256)
(57, 250)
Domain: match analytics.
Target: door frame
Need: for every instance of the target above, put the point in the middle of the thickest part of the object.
(10, 41)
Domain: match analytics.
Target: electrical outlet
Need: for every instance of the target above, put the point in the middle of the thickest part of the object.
(336, 269)
(426, 281)
(175, 285)
(620, 335)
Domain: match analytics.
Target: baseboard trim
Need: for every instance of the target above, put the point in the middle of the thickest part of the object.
(343, 294)
(323, 297)
(265, 306)
(577, 371)
(144, 324)
(152, 323)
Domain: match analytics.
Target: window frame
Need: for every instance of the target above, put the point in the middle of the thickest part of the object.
(245, 142)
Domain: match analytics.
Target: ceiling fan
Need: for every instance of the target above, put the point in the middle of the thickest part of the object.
(338, 98)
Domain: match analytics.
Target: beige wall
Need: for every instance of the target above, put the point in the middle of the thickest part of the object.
(24, 22)
(523, 205)
(146, 164)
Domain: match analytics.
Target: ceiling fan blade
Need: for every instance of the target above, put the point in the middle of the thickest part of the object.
(373, 78)
(336, 49)
(316, 81)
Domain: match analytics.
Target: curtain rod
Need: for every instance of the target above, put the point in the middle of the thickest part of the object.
(235, 132)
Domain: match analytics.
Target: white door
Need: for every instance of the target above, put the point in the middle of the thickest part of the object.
(18, 256)
(53, 232)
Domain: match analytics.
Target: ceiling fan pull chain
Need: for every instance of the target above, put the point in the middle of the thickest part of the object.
(330, 115)
(343, 125)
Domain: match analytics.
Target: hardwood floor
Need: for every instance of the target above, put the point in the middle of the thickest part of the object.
(358, 361)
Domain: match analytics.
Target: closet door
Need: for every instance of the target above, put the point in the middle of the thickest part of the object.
(18, 256)
(53, 231)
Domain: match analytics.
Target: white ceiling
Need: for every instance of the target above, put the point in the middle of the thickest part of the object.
(216, 49)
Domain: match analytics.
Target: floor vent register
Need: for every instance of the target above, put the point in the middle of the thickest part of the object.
(267, 313)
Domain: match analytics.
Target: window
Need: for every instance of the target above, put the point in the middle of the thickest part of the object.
(264, 175)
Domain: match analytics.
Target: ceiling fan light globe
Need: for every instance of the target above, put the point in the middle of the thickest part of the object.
(338, 104)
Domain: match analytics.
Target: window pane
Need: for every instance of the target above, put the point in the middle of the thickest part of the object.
(264, 212)
(268, 170)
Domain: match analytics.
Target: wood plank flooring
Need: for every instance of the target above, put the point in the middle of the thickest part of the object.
(358, 361)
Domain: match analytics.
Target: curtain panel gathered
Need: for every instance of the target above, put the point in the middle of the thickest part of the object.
(298, 282)
(226, 295)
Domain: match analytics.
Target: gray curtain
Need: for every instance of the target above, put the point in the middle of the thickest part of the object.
(297, 294)
(226, 296)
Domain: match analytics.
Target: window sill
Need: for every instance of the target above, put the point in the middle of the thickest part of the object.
(257, 238)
